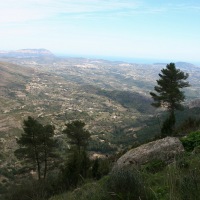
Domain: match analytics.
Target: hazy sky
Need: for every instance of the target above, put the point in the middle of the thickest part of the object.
(119, 28)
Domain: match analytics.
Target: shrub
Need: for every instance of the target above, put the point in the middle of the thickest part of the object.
(89, 191)
(190, 124)
(191, 141)
(37, 190)
(128, 184)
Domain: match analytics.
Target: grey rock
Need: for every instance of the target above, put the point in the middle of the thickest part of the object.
(163, 149)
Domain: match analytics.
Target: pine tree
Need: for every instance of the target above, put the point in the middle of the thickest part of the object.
(77, 134)
(168, 94)
(78, 163)
(36, 145)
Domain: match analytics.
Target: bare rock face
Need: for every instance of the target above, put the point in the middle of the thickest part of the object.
(164, 149)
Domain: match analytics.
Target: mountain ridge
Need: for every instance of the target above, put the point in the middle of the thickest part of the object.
(26, 53)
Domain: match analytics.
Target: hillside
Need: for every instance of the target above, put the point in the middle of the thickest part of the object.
(36, 87)
(13, 89)
(44, 92)
(111, 97)
(12, 73)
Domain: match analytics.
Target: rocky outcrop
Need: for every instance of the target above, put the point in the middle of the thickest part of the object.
(164, 149)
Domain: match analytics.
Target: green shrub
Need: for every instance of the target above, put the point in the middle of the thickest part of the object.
(118, 185)
(191, 141)
(188, 125)
(128, 185)
(88, 191)
(33, 189)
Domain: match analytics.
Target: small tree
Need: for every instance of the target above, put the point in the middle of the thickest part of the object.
(77, 134)
(169, 95)
(36, 145)
(78, 162)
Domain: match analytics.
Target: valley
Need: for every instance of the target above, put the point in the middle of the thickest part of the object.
(112, 98)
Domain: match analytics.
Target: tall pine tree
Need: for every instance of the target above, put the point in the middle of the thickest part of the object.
(169, 95)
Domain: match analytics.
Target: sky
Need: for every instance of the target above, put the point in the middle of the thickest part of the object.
(145, 29)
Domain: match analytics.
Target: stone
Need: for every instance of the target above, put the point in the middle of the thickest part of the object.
(163, 149)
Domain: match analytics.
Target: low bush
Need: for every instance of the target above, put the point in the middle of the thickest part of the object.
(128, 184)
(34, 189)
(37, 190)
(191, 141)
(190, 124)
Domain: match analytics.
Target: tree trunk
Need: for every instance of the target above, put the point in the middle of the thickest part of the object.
(38, 168)
(37, 158)
(45, 163)
(173, 120)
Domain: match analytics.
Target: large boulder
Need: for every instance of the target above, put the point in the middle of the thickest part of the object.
(164, 149)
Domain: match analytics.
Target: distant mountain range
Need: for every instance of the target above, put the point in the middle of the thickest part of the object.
(22, 53)
(182, 65)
